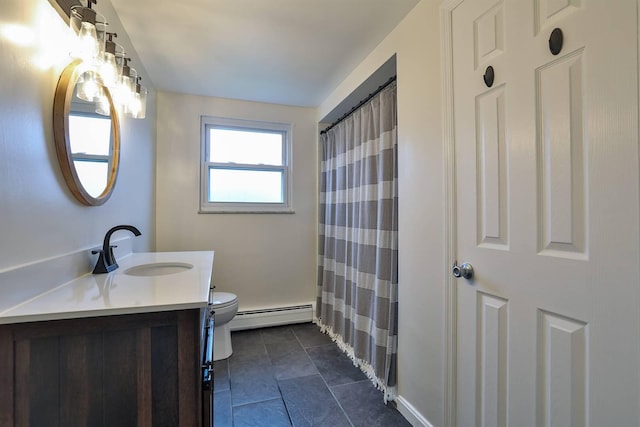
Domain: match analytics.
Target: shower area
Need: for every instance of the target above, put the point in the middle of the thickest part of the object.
(357, 281)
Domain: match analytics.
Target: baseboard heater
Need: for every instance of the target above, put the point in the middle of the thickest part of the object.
(253, 319)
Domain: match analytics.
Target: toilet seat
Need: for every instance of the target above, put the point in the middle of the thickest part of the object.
(223, 299)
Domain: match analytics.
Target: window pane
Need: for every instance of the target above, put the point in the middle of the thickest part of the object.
(93, 175)
(249, 186)
(90, 135)
(245, 146)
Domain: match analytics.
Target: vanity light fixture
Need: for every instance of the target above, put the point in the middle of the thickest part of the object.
(138, 106)
(83, 23)
(125, 89)
(109, 67)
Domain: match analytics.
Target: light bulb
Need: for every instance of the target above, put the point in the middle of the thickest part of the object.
(88, 41)
(122, 93)
(139, 107)
(87, 87)
(108, 66)
(134, 105)
(126, 87)
(109, 69)
(103, 106)
(83, 22)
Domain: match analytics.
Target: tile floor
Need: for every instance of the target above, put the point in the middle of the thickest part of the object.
(294, 376)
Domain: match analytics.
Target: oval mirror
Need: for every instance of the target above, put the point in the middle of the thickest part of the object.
(86, 133)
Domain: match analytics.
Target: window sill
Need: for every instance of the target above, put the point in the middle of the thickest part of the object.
(230, 211)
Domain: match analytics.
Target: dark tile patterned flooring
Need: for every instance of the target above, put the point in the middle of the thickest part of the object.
(295, 376)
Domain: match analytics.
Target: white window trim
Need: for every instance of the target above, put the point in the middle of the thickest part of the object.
(240, 207)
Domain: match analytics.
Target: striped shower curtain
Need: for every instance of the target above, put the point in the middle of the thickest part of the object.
(357, 301)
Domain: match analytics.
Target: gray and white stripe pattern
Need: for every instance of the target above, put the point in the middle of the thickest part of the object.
(358, 238)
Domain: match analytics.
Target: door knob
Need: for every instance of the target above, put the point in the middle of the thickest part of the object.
(488, 76)
(465, 270)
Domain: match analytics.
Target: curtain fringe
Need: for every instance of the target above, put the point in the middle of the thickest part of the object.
(388, 392)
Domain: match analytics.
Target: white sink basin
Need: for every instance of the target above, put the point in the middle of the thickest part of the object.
(158, 269)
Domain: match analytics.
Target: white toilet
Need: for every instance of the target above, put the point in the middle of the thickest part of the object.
(225, 307)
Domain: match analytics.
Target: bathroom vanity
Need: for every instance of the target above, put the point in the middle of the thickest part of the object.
(126, 348)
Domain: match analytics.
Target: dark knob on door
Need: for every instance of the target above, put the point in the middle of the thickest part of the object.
(465, 270)
(488, 76)
(556, 40)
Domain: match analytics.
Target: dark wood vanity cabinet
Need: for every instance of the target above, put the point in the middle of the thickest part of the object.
(124, 370)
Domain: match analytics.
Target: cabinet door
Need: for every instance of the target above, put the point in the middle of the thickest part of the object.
(136, 370)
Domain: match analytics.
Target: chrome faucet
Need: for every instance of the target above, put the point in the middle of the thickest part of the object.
(106, 260)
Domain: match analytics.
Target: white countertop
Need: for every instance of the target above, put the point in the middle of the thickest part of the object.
(118, 293)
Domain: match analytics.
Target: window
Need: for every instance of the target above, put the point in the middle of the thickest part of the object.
(246, 166)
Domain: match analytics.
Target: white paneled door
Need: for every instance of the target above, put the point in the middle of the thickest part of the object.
(546, 158)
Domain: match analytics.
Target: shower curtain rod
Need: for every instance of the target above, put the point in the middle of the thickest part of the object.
(360, 104)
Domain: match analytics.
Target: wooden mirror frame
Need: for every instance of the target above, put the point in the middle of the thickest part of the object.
(61, 109)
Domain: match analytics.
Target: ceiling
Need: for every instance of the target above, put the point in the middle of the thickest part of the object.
(292, 52)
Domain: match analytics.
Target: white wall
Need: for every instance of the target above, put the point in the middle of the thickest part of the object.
(268, 260)
(416, 40)
(39, 217)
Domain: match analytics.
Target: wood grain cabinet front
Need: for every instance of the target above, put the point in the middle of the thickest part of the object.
(126, 370)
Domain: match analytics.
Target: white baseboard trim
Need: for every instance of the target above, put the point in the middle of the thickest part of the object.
(253, 319)
(411, 413)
